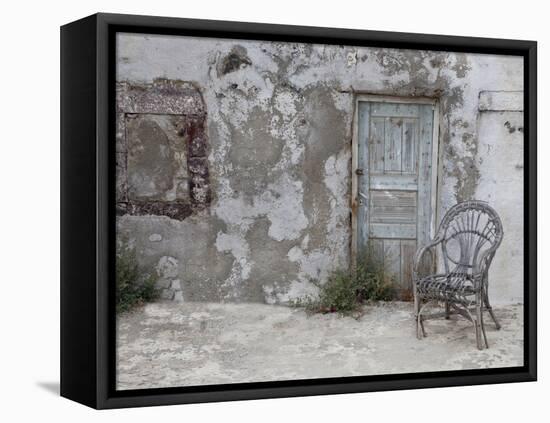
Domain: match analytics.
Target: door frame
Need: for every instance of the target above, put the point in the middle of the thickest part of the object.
(354, 159)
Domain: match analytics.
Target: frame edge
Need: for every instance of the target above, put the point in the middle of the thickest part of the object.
(78, 212)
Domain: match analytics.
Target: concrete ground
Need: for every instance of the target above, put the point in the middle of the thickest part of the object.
(167, 344)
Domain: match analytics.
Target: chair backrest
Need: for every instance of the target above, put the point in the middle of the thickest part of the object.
(470, 233)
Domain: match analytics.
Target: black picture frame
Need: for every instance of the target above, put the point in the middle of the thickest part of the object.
(87, 210)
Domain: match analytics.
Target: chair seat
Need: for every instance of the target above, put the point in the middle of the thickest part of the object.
(450, 286)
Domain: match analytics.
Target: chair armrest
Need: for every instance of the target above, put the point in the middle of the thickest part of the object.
(418, 256)
(481, 267)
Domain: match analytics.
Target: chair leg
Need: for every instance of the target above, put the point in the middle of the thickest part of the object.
(477, 325)
(483, 327)
(417, 303)
(420, 330)
(447, 310)
(417, 317)
(490, 310)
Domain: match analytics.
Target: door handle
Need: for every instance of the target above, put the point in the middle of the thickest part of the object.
(359, 172)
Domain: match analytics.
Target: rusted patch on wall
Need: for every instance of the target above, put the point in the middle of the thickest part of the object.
(197, 162)
(161, 149)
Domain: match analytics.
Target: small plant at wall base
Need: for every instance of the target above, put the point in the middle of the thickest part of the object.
(346, 291)
(132, 287)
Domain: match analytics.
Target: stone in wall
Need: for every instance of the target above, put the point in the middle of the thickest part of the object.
(168, 282)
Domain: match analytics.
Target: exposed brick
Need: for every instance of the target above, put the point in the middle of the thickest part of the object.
(174, 210)
(163, 96)
(198, 165)
(197, 146)
(199, 189)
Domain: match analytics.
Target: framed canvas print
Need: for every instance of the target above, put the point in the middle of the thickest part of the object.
(255, 211)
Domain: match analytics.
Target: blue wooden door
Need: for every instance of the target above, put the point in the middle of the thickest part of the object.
(394, 184)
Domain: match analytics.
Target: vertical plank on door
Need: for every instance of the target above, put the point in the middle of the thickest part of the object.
(408, 249)
(392, 257)
(377, 249)
(392, 140)
(376, 151)
(409, 140)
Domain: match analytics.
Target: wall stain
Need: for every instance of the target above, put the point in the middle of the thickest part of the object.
(236, 59)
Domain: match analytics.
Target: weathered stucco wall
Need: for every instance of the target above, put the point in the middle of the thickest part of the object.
(279, 127)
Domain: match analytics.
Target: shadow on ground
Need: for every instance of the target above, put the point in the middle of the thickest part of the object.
(51, 387)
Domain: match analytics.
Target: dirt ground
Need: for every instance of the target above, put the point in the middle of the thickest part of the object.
(167, 344)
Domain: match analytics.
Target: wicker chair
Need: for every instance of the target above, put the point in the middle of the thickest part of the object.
(468, 237)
